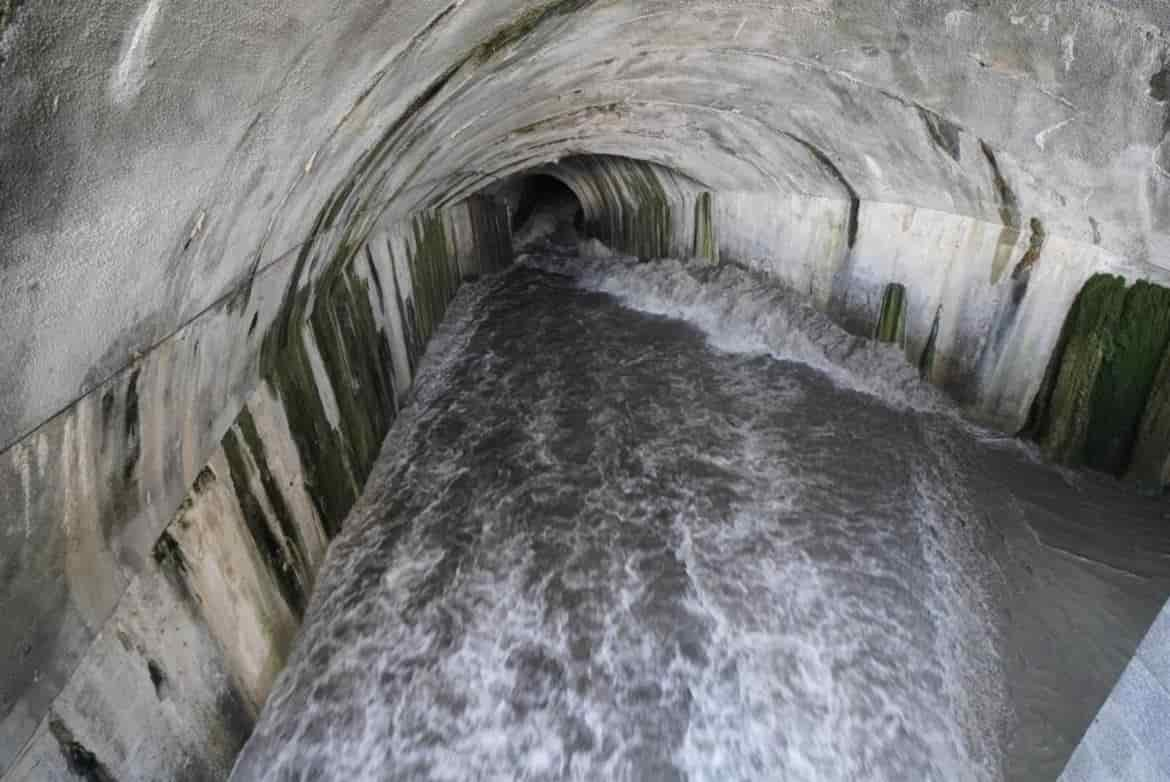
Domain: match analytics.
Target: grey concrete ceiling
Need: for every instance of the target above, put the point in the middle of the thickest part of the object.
(154, 154)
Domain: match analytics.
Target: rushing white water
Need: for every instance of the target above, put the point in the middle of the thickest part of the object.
(743, 312)
(603, 545)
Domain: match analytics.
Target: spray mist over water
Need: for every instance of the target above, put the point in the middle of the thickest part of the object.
(604, 544)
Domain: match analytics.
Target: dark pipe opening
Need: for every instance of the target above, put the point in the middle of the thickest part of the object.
(541, 192)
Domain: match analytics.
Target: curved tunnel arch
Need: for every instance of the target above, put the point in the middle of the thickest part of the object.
(205, 238)
(802, 65)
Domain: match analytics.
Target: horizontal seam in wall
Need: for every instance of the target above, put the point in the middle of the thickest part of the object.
(243, 285)
(130, 577)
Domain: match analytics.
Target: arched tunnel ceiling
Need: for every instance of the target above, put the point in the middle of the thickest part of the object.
(156, 154)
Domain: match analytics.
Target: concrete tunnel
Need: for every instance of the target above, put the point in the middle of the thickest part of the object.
(229, 232)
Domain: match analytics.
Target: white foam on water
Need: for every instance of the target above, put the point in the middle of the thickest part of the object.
(831, 681)
(712, 609)
(741, 312)
(967, 646)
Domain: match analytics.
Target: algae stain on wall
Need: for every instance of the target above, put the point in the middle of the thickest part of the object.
(1127, 377)
(627, 205)
(245, 543)
(647, 223)
(1063, 406)
(525, 24)
(705, 245)
(1103, 400)
(930, 349)
(334, 344)
(891, 323)
(1150, 466)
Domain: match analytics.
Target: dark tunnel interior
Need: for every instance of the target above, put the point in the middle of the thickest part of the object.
(547, 193)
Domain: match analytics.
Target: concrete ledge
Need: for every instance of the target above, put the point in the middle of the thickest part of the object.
(1128, 739)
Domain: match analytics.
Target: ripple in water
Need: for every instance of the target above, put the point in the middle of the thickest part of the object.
(604, 544)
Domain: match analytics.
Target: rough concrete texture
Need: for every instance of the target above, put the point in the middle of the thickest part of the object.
(237, 560)
(1127, 740)
(152, 699)
(148, 177)
(181, 185)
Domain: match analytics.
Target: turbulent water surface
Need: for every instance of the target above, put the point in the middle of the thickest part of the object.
(653, 522)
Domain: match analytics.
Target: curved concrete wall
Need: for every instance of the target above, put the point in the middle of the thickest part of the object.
(985, 302)
(155, 156)
(161, 539)
(183, 185)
